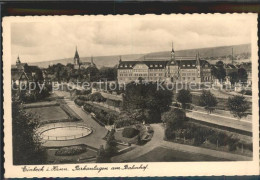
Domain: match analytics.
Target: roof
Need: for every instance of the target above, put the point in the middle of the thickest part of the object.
(16, 75)
(183, 62)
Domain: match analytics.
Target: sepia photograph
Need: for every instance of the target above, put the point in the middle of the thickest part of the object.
(132, 90)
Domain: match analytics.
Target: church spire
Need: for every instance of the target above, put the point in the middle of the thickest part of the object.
(120, 59)
(76, 57)
(172, 53)
(92, 62)
(198, 59)
(18, 60)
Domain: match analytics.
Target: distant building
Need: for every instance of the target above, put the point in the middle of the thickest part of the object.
(22, 72)
(82, 65)
(176, 69)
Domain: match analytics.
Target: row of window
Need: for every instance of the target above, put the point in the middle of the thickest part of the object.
(188, 74)
(136, 74)
(188, 78)
(133, 79)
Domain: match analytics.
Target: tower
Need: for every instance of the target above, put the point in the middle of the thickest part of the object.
(92, 62)
(198, 65)
(120, 59)
(18, 61)
(172, 53)
(76, 58)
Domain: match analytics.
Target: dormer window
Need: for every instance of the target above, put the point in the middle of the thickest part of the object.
(156, 65)
(160, 65)
(188, 65)
(151, 65)
(193, 65)
(130, 65)
(121, 65)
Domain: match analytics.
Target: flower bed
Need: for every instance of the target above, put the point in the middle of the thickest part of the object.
(70, 151)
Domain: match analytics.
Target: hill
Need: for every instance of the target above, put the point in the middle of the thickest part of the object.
(110, 61)
(204, 52)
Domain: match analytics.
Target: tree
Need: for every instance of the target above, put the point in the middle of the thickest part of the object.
(242, 75)
(174, 119)
(238, 106)
(109, 73)
(147, 97)
(102, 156)
(111, 144)
(208, 100)
(27, 149)
(184, 96)
(233, 77)
(97, 97)
(219, 71)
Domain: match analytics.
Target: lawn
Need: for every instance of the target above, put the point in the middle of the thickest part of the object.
(52, 113)
(161, 154)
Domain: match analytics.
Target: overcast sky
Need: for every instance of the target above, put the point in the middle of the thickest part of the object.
(50, 40)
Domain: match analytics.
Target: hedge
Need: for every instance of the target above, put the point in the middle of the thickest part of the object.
(106, 116)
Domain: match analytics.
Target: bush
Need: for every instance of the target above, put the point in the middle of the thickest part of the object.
(70, 151)
(130, 132)
(232, 144)
(79, 102)
(246, 92)
(169, 134)
(104, 115)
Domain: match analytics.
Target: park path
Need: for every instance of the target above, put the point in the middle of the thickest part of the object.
(158, 141)
(220, 120)
(95, 139)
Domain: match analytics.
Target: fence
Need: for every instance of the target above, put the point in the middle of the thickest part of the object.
(85, 132)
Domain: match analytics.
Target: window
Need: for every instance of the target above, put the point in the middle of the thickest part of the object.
(156, 65)
(188, 78)
(193, 78)
(160, 65)
(183, 78)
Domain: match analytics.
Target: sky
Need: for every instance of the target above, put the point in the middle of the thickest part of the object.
(57, 39)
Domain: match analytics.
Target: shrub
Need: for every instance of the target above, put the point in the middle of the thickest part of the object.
(130, 132)
(169, 134)
(104, 115)
(232, 144)
(70, 151)
(79, 102)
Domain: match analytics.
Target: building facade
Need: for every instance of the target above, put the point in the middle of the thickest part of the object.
(177, 69)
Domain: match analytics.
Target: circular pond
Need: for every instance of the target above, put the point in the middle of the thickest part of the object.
(65, 133)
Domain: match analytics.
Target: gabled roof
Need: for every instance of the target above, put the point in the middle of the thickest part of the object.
(16, 75)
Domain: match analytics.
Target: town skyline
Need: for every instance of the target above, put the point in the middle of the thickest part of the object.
(42, 41)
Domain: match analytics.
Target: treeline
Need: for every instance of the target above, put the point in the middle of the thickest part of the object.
(67, 73)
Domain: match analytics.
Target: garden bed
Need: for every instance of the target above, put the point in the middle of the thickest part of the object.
(207, 137)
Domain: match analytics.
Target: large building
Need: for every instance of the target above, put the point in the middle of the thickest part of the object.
(81, 65)
(176, 69)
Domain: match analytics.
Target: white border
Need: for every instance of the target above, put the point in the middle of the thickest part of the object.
(154, 169)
